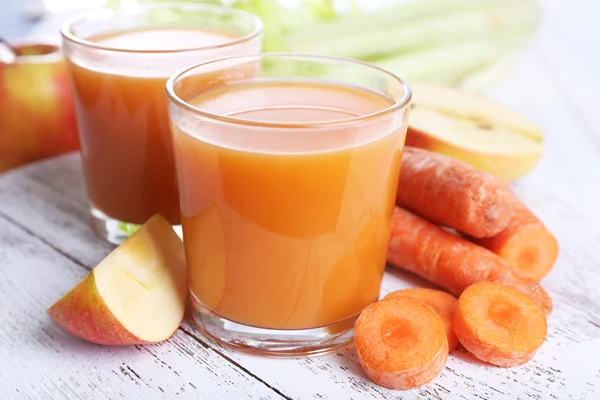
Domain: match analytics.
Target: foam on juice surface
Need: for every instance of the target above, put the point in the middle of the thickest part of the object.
(328, 112)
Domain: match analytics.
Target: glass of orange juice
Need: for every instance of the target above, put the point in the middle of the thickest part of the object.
(287, 171)
(119, 61)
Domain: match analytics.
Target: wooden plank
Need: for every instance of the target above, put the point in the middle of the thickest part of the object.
(44, 195)
(40, 360)
(573, 340)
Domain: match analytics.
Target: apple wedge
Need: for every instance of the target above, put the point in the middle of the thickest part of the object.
(136, 295)
(497, 150)
(470, 106)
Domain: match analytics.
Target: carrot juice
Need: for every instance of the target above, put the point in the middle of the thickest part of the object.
(118, 79)
(283, 231)
(127, 152)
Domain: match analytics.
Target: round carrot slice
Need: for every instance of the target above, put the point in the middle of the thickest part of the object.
(499, 324)
(442, 302)
(401, 343)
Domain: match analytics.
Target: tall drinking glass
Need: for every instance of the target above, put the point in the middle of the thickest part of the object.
(287, 177)
(119, 61)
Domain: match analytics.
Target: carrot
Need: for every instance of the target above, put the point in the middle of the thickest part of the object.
(451, 193)
(499, 324)
(525, 243)
(442, 302)
(450, 261)
(401, 343)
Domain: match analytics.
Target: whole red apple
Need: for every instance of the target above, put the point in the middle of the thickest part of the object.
(36, 110)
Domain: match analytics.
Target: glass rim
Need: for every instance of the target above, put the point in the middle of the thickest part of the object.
(398, 104)
(67, 34)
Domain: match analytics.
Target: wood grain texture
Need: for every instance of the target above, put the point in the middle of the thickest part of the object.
(40, 360)
(46, 246)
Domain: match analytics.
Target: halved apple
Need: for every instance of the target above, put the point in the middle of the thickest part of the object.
(496, 150)
(136, 295)
(470, 106)
(479, 131)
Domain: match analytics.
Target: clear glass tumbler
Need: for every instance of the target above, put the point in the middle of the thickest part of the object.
(287, 169)
(119, 61)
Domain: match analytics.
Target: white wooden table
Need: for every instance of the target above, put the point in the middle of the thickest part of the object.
(46, 247)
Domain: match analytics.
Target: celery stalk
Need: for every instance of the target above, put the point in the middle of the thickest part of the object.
(505, 19)
(440, 41)
(393, 15)
(446, 65)
(489, 75)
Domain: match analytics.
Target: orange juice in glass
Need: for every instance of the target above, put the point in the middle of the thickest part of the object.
(287, 174)
(119, 62)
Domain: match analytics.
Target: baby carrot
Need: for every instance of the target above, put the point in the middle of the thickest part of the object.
(401, 343)
(442, 302)
(499, 324)
(525, 243)
(451, 193)
(450, 261)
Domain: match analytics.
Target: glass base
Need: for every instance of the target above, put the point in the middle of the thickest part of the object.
(115, 231)
(272, 342)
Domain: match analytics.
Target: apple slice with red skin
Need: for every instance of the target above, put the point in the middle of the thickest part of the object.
(136, 295)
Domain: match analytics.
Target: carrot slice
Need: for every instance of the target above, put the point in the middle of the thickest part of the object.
(450, 261)
(526, 243)
(401, 343)
(499, 324)
(452, 193)
(442, 302)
